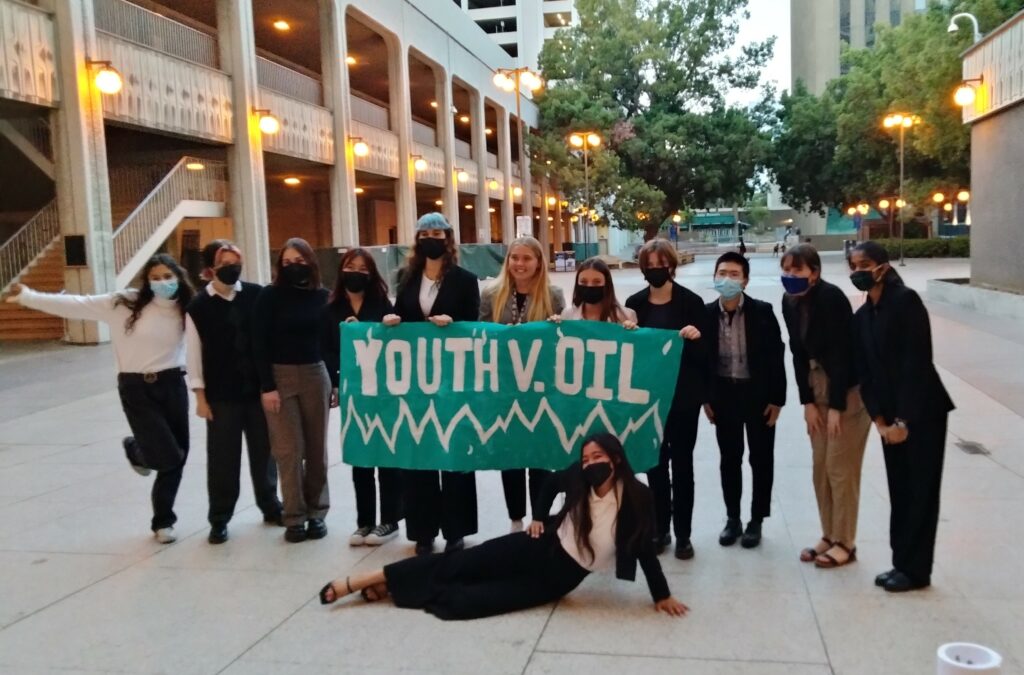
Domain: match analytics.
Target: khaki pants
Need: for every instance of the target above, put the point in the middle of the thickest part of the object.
(837, 462)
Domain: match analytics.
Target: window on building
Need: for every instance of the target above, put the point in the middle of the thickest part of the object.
(557, 19)
(895, 16)
(512, 49)
(492, 26)
(869, 23)
(844, 21)
(488, 4)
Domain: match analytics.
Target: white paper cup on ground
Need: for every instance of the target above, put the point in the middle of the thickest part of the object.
(961, 658)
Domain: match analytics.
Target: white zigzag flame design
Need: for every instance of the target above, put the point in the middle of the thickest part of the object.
(368, 425)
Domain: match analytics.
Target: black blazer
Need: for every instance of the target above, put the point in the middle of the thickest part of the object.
(829, 341)
(894, 342)
(458, 297)
(766, 353)
(330, 330)
(625, 559)
(688, 310)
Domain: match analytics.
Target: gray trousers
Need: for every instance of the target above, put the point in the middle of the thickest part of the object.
(298, 440)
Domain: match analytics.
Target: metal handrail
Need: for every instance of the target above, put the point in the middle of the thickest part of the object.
(289, 82)
(36, 131)
(28, 243)
(208, 183)
(149, 29)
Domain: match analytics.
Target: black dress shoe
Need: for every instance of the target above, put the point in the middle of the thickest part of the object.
(883, 577)
(454, 545)
(684, 550)
(662, 542)
(295, 533)
(733, 531)
(274, 518)
(425, 547)
(316, 528)
(898, 582)
(218, 534)
(752, 537)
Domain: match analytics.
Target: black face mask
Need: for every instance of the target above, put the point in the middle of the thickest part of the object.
(657, 276)
(591, 295)
(297, 275)
(355, 282)
(228, 274)
(432, 247)
(597, 474)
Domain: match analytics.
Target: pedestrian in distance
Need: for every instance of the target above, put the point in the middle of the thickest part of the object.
(295, 385)
(222, 374)
(607, 523)
(147, 328)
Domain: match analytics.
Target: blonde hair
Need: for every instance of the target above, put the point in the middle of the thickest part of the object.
(540, 307)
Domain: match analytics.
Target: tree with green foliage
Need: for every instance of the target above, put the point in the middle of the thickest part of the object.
(650, 77)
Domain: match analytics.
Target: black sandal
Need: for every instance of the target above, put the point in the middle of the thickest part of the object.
(827, 561)
(809, 554)
(330, 587)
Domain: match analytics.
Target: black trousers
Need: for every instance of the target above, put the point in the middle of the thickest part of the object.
(501, 575)
(914, 470)
(673, 499)
(365, 484)
(157, 413)
(224, 432)
(738, 409)
(436, 501)
(514, 483)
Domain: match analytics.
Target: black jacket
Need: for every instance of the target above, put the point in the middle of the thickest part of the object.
(897, 376)
(625, 559)
(766, 353)
(688, 310)
(458, 297)
(334, 314)
(829, 341)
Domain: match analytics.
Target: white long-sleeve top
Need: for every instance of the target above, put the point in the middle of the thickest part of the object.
(604, 513)
(155, 342)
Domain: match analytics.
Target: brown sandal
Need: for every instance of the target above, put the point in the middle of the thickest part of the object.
(809, 554)
(828, 561)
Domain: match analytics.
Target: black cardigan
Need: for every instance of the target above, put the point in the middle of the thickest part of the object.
(897, 376)
(458, 297)
(766, 353)
(625, 559)
(330, 332)
(688, 310)
(829, 341)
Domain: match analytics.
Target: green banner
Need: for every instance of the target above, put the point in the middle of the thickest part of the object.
(474, 396)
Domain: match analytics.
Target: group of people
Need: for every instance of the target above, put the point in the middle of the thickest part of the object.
(263, 362)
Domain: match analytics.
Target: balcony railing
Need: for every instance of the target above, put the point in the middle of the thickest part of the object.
(27, 243)
(289, 82)
(370, 113)
(28, 68)
(149, 29)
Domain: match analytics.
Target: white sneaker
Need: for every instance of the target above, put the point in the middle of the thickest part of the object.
(382, 533)
(358, 538)
(517, 526)
(165, 535)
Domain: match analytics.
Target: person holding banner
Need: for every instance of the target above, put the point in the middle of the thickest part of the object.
(746, 393)
(607, 522)
(432, 287)
(593, 297)
(666, 304)
(295, 385)
(361, 294)
(521, 293)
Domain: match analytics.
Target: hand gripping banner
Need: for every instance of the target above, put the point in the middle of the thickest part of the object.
(474, 396)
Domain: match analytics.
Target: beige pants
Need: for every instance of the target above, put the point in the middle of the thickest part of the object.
(837, 462)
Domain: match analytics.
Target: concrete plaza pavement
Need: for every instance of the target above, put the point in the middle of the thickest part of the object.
(85, 588)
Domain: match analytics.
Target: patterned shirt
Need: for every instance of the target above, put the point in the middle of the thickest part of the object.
(732, 343)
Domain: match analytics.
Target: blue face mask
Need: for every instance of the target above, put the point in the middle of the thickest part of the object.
(795, 285)
(727, 287)
(166, 289)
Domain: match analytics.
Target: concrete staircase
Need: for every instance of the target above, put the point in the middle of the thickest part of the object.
(45, 273)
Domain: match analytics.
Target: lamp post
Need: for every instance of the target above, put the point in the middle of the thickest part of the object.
(514, 79)
(903, 121)
(953, 27)
(585, 140)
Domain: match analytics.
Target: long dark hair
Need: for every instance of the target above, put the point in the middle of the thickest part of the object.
(137, 302)
(376, 290)
(303, 247)
(635, 497)
(877, 254)
(610, 307)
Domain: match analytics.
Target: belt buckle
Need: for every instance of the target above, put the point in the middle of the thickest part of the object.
(149, 378)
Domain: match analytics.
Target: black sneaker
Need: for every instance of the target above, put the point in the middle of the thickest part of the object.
(294, 534)
(883, 577)
(454, 545)
(425, 547)
(381, 534)
(276, 518)
(733, 531)
(218, 534)
(752, 537)
(662, 542)
(131, 451)
(316, 528)
(684, 550)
